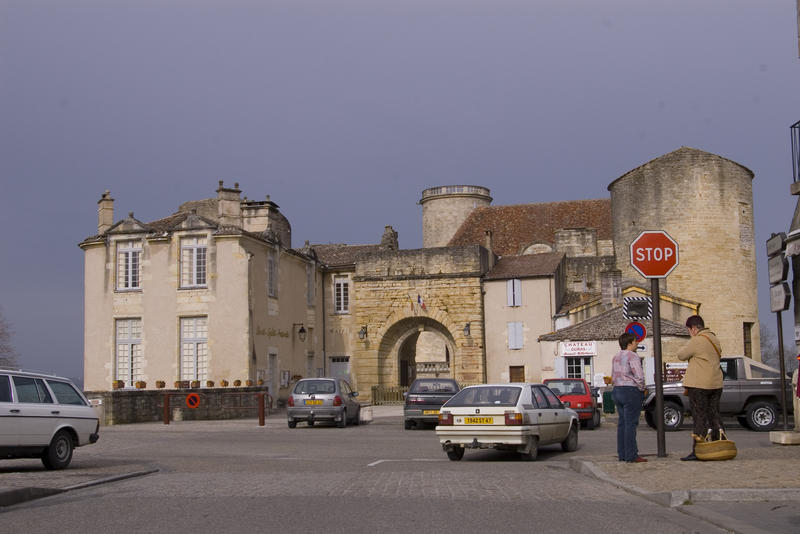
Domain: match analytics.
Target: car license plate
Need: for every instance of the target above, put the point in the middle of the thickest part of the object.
(311, 401)
(478, 420)
(430, 412)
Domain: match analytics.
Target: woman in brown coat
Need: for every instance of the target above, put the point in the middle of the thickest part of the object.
(703, 379)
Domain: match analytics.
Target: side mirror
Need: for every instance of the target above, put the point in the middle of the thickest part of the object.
(355, 393)
(566, 404)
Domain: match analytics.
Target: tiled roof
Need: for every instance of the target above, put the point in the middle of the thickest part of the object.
(516, 227)
(609, 325)
(338, 255)
(528, 266)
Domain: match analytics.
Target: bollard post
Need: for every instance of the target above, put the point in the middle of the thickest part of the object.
(260, 400)
(166, 408)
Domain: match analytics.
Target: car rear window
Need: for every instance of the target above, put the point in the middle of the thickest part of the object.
(309, 387)
(486, 396)
(566, 387)
(433, 386)
(65, 393)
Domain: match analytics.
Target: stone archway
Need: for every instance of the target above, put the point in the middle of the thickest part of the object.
(415, 346)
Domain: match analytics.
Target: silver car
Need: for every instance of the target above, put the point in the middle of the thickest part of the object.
(323, 399)
(43, 416)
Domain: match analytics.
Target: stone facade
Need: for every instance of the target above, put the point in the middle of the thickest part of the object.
(445, 208)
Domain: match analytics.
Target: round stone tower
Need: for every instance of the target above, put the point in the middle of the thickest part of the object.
(444, 208)
(705, 202)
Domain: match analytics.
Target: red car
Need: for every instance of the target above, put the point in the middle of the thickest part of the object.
(580, 397)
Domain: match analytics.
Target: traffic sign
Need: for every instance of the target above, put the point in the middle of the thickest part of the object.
(192, 400)
(637, 329)
(637, 308)
(654, 254)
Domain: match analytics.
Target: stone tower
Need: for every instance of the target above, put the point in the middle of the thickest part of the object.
(705, 202)
(444, 208)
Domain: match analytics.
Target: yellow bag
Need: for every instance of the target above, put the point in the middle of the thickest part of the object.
(721, 449)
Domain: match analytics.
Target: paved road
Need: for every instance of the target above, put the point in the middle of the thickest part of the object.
(235, 476)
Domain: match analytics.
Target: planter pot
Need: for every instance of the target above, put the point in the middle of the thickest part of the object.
(260, 382)
(223, 383)
(195, 383)
(141, 384)
(160, 384)
(248, 382)
(118, 384)
(237, 383)
(209, 383)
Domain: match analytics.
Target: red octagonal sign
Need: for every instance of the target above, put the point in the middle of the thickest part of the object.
(654, 254)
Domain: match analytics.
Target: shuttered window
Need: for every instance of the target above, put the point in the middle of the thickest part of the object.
(514, 335)
(514, 292)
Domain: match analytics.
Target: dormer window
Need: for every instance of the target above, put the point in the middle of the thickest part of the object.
(129, 255)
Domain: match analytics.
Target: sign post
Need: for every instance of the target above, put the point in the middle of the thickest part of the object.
(654, 254)
(779, 296)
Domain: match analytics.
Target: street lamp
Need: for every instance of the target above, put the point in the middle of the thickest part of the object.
(466, 330)
(362, 333)
(301, 334)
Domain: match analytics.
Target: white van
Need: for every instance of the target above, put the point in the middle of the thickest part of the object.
(43, 416)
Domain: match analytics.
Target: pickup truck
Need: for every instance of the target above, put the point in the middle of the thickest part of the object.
(750, 392)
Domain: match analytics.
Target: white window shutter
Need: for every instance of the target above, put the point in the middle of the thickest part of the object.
(517, 292)
(510, 292)
(558, 367)
(514, 335)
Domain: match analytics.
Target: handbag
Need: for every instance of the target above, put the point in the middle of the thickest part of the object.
(721, 449)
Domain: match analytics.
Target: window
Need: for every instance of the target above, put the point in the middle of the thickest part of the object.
(341, 294)
(129, 350)
(310, 287)
(516, 373)
(5, 389)
(129, 254)
(30, 390)
(193, 261)
(194, 348)
(515, 335)
(579, 367)
(514, 292)
(747, 336)
(272, 274)
(65, 393)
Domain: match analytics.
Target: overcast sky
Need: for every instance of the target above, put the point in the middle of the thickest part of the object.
(344, 111)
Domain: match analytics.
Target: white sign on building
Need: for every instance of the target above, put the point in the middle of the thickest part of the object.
(578, 348)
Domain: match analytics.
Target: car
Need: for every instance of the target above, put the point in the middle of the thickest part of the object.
(751, 392)
(578, 395)
(424, 398)
(44, 416)
(323, 399)
(520, 417)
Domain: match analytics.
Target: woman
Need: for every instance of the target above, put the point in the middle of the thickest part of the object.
(628, 394)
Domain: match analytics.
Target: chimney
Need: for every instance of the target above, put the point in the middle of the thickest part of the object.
(229, 210)
(389, 239)
(105, 212)
(610, 288)
(489, 245)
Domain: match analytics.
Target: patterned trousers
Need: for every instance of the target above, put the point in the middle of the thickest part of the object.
(705, 411)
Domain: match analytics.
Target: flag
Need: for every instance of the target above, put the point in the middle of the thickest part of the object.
(421, 303)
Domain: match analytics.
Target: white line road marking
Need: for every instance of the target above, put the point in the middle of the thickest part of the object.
(376, 462)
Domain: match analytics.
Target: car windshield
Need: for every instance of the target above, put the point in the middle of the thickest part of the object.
(566, 387)
(310, 387)
(433, 386)
(486, 396)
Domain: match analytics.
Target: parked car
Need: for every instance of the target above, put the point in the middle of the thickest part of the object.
(517, 417)
(424, 398)
(323, 399)
(578, 395)
(44, 416)
(750, 392)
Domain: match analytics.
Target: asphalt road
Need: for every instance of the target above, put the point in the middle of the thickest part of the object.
(234, 476)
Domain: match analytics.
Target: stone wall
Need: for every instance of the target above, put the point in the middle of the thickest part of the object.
(147, 405)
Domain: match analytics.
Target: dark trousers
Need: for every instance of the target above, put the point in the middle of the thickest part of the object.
(705, 411)
(628, 400)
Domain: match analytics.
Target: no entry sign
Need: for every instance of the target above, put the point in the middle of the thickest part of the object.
(654, 254)
(637, 329)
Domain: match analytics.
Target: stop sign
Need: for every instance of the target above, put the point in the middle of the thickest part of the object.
(654, 254)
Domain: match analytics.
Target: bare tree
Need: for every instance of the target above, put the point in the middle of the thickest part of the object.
(769, 350)
(8, 355)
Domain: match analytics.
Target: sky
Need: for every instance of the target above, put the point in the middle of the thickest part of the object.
(344, 111)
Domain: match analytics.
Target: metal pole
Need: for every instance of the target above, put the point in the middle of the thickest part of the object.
(659, 413)
(783, 372)
(260, 400)
(166, 408)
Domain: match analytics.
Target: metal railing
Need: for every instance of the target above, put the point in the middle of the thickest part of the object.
(387, 395)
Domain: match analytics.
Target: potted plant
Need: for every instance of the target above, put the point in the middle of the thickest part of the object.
(195, 383)
(160, 384)
(260, 382)
(118, 384)
(178, 384)
(248, 382)
(140, 384)
(209, 383)
(237, 382)
(223, 383)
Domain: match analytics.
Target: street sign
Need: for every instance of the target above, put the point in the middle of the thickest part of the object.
(778, 267)
(654, 254)
(637, 308)
(192, 400)
(637, 329)
(775, 244)
(779, 297)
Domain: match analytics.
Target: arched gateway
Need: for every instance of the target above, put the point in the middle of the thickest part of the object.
(415, 346)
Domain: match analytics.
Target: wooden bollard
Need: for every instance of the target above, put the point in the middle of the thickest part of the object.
(166, 408)
(260, 400)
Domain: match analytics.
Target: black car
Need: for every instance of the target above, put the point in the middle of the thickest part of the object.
(424, 398)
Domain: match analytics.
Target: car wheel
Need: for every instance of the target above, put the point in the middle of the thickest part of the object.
(673, 416)
(596, 421)
(408, 424)
(571, 443)
(292, 424)
(649, 419)
(533, 449)
(743, 422)
(456, 453)
(343, 422)
(310, 422)
(762, 416)
(59, 453)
